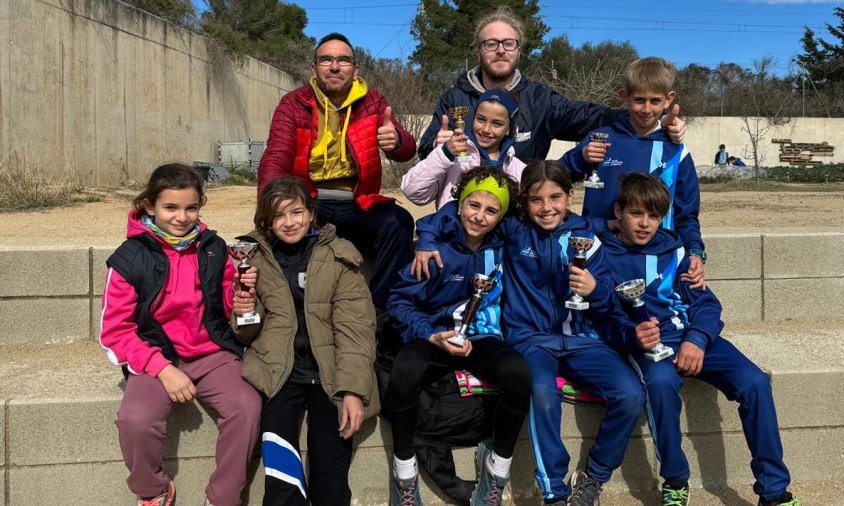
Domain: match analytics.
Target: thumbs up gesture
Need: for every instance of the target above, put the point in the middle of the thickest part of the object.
(388, 137)
(444, 134)
(676, 127)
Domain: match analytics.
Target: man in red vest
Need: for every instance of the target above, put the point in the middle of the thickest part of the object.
(331, 132)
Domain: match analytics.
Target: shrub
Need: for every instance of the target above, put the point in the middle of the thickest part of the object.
(27, 183)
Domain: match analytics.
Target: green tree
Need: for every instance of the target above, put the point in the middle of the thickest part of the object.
(269, 30)
(180, 12)
(444, 30)
(823, 60)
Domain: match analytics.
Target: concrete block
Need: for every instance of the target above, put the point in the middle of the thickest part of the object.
(741, 300)
(797, 394)
(804, 298)
(3, 434)
(44, 321)
(44, 273)
(98, 268)
(804, 255)
(733, 257)
(84, 431)
(96, 308)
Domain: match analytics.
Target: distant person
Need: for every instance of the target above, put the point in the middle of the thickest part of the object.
(688, 320)
(331, 133)
(722, 157)
(168, 296)
(736, 161)
(313, 350)
(638, 143)
(544, 114)
(489, 143)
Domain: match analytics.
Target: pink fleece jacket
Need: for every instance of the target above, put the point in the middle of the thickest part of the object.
(434, 177)
(178, 308)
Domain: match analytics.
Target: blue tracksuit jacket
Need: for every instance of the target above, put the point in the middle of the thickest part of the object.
(692, 315)
(420, 309)
(654, 154)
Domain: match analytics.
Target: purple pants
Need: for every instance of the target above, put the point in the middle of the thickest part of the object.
(142, 426)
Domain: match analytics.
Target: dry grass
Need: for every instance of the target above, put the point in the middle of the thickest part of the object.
(28, 183)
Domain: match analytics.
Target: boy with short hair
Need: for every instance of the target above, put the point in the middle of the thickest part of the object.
(689, 321)
(639, 144)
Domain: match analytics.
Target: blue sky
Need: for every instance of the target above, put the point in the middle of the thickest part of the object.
(706, 32)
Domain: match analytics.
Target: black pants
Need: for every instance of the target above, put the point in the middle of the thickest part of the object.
(329, 455)
(491, 359)
(385, 230)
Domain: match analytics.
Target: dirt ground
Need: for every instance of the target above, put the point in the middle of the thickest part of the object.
(230, 209)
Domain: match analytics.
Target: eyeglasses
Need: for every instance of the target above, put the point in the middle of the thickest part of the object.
(343, 61)
(492, 44)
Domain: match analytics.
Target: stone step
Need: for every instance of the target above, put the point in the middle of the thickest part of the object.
(61, 443)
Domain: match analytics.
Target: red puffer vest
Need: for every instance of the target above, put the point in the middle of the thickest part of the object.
(294, 130)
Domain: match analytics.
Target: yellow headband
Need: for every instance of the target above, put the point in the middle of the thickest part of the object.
(489, 184)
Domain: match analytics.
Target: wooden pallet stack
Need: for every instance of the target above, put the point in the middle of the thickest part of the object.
(803, 153)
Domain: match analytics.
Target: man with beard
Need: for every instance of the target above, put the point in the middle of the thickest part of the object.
(331, 133)
(544, 114)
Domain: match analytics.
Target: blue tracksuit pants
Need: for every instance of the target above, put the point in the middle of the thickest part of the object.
(593, 366)
(728, 370)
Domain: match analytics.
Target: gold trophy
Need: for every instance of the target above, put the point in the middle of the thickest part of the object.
(459, 113)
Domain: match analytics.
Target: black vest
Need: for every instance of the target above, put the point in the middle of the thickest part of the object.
(142, 262)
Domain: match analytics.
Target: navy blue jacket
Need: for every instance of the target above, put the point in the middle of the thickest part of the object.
(684, 314)
(543, 115)
(652, 154)
(536, 284)
(420, 309)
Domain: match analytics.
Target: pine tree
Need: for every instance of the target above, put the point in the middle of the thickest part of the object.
(823, 60)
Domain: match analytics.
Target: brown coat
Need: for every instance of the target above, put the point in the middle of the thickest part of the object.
(340, 322)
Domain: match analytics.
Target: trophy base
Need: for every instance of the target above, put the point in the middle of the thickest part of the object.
(248, 319)
(457, 340)
(463, 158)
(659, 353)
(593, 184)
(579, 306)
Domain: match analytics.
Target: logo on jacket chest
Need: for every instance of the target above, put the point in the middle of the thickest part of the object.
(612, 162)
(528, 252)
(303, 280)
(457, 278)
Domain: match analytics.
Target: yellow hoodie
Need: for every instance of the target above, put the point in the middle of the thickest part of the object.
(330, 166)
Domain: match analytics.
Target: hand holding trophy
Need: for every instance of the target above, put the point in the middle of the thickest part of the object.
(459, 113)
(483, 285)
(632, 291)
(593, 181)
(243, 251)
(581, 245)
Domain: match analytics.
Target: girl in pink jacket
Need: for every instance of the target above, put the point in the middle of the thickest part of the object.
(168, 296)
(489, 143)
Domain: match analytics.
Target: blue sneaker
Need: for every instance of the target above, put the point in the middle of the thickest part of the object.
(405, 492)
(490, 488)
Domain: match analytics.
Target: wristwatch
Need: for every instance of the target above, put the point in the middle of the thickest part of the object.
(698, 253)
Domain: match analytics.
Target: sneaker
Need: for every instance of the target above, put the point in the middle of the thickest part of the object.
(674, 495)
(490, 488)
(405, 492)
(165, 499)
(584, 490)
(785, 500)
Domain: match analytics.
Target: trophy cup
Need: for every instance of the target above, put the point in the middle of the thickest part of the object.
(243, 251)
(459, 113)
(483, 285)
(581, 245)
(593, 181)
(631, 291)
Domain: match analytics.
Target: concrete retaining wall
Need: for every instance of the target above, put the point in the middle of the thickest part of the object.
(50, 296)
(102, 88)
